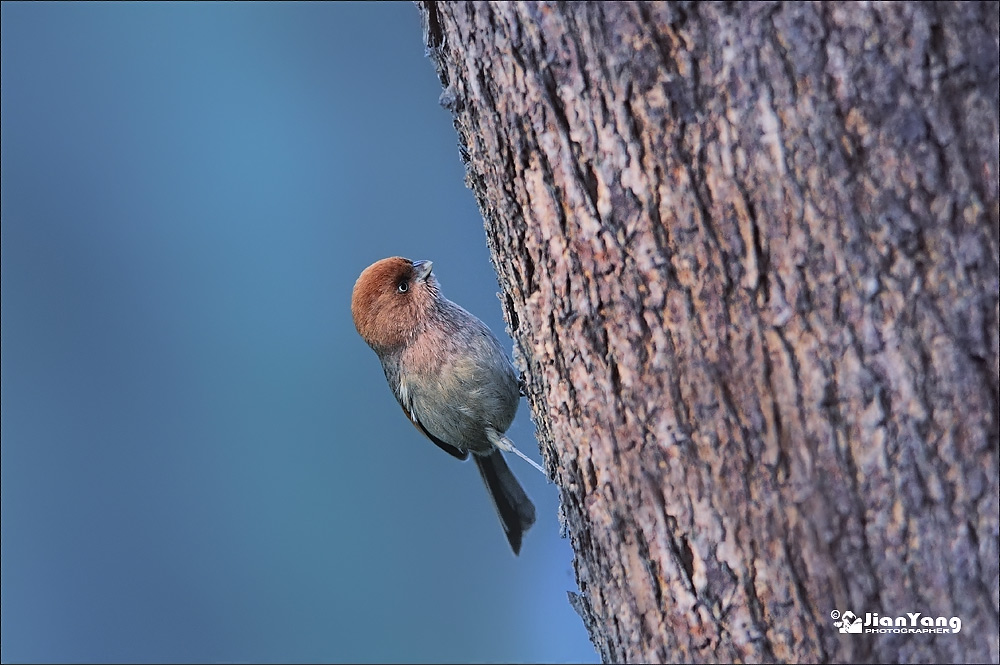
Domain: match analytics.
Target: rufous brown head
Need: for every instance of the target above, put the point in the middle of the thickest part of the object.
(392, 299)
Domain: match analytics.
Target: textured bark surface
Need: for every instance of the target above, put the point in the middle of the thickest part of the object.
(749, 257)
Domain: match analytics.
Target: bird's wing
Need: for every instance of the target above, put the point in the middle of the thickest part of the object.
(447, 447)
(454, 451)
(406, 399)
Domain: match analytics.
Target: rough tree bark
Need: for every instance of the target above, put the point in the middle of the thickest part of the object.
(749, 257)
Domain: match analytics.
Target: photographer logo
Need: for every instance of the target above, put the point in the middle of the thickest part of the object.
(909, 622)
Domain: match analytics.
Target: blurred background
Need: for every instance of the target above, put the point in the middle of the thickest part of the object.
(201, 460)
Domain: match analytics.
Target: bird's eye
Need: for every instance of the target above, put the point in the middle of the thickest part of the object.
(403, 287)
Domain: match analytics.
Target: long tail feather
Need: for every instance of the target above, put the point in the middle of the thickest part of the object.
(515, 509)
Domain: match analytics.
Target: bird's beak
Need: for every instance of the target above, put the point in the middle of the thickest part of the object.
(422, 269)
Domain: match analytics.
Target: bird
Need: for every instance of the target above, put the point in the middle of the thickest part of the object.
(449, 373)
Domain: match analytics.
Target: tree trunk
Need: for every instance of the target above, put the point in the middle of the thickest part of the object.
(749, 257)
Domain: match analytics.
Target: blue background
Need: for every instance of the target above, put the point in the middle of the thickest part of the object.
(201, 458)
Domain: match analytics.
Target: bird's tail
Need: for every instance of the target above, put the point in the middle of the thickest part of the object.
(515, 509)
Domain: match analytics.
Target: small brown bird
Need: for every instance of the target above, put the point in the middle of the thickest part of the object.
(449, 373)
